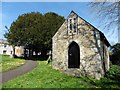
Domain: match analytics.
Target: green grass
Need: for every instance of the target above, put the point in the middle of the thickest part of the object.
(8, 63)
(43, 76)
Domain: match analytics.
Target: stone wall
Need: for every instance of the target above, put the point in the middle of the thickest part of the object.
(88, 39)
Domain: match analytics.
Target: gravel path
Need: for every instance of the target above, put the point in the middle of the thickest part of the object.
(11, 74)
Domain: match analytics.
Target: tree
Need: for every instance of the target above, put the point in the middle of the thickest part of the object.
(23, 31)
(52, 23)
(7, 35)
(34, 30)
(108, 13)
(115, 55)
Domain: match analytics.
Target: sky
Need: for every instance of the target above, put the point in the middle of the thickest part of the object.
(11, 10)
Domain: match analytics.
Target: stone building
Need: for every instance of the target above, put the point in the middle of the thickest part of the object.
(78, 48)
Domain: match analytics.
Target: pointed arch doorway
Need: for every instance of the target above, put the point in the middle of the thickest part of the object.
(73, 55)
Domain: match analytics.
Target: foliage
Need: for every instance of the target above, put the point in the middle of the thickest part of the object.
(115, 55)
(10, 63)
(52, 23)
(116, 48)
(112, 78)
(45, 77)
(34, 30)
(114, 73)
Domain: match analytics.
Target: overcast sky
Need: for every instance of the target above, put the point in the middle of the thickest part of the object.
(11, 10)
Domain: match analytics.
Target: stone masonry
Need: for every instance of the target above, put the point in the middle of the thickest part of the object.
(94, 55)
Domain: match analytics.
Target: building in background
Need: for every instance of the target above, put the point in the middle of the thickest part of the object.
(19, 51)
(5, 48)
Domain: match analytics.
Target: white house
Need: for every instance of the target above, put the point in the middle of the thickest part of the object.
(5, 48)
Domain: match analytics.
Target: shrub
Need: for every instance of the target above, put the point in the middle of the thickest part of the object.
(114, 73)
(115, 54)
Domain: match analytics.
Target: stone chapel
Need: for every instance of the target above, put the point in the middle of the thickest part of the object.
(78, 48)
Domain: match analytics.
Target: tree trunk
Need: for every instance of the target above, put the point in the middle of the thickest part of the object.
(36, 52)
(44, 53)
(25, 53)
(13, 54)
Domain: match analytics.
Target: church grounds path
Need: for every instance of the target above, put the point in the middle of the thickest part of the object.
(11, 74)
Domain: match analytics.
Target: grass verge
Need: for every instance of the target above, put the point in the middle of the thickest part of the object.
(45, 77)
(8, 63)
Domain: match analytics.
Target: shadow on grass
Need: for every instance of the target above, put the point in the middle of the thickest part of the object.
(105, 82)
(112, 83)
(108, 84)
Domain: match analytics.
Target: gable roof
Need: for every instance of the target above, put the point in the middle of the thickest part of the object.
(101, 34)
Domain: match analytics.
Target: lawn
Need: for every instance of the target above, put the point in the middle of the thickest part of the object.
(8, 63)
(43, 76)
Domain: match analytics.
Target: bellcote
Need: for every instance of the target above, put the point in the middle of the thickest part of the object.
(72, 23)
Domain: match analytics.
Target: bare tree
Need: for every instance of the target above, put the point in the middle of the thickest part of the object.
(108, 13)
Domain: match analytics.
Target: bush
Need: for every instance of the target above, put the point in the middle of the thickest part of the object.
(115, 54)
(115, 59)
(113, 73)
